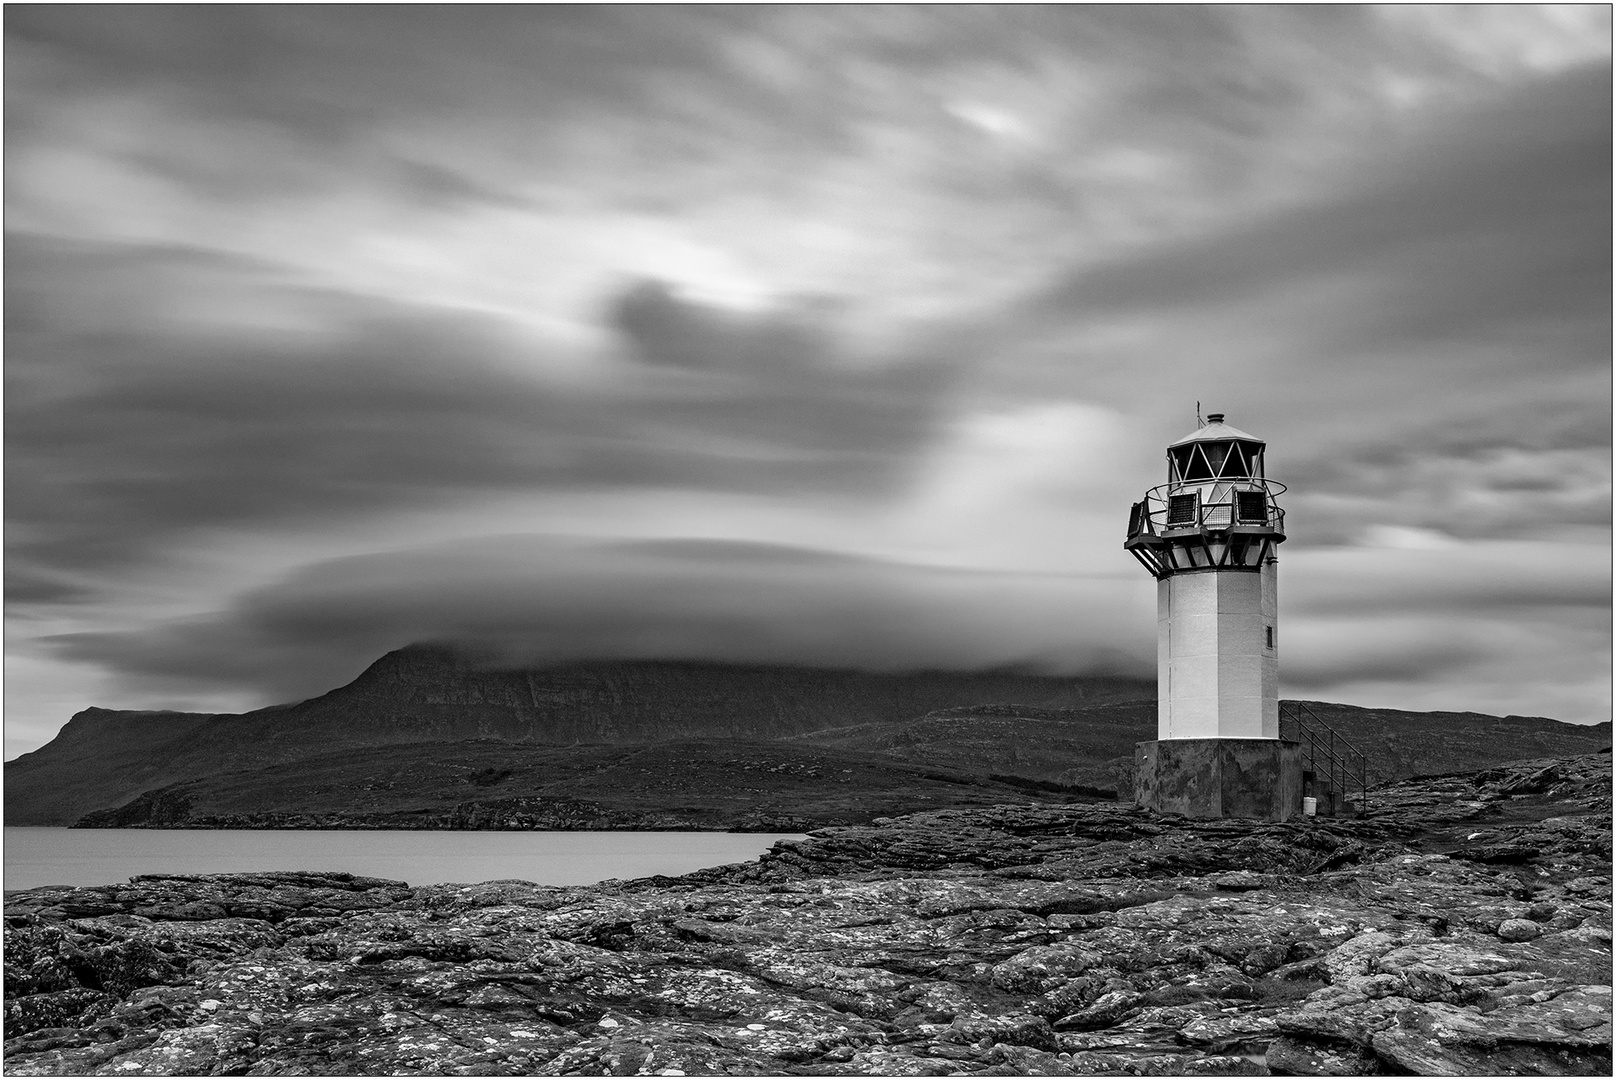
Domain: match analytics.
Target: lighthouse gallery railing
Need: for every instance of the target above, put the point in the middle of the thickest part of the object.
(1235, 503)
(1223, 524)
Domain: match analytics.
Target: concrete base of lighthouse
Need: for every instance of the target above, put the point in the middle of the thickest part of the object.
(1219, 778)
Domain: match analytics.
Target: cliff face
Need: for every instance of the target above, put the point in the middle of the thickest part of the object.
(427, 736)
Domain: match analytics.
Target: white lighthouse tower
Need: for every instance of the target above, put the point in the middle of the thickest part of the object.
(1209, 537)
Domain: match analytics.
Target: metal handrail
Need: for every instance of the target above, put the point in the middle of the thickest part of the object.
(1151, 512)
(1336, 752)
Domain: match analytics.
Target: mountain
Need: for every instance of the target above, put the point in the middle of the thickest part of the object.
(428, 737)
(432, 696)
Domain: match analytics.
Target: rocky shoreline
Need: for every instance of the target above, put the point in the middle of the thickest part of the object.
(1464, 927)
(495, 815)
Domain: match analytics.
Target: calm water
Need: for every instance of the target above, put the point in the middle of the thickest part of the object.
(40, 856)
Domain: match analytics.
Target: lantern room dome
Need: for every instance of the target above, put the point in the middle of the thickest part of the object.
(1215, 452)
(1214, 429)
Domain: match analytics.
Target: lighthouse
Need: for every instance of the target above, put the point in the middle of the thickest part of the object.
(1210, 536)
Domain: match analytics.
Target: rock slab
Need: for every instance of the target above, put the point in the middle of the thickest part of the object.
(1016, 940)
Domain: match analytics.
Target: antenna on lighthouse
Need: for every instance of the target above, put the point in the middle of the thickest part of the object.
(1198, 421)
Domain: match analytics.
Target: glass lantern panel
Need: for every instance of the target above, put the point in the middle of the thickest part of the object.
(1235, 463)
(1180, 463)
(1196, 468)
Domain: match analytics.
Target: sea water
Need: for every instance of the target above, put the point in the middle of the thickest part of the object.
(53, 856)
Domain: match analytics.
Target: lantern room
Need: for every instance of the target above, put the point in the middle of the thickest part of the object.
(1215, 452)
(1216, 510)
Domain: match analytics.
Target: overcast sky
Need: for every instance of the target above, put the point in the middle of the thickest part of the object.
(833, 335)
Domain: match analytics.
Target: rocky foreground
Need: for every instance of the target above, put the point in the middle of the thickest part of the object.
(1463, 928)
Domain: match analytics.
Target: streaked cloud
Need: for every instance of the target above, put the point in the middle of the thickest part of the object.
(836, 334)
(520, 598)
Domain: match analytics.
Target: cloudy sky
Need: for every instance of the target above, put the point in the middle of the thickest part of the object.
(838, 335)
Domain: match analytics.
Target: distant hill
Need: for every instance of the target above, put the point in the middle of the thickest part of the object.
(426, 737)
(427, 694)
(1074, 746)
(688, 784)
(1400, 744)
(1094, 745)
